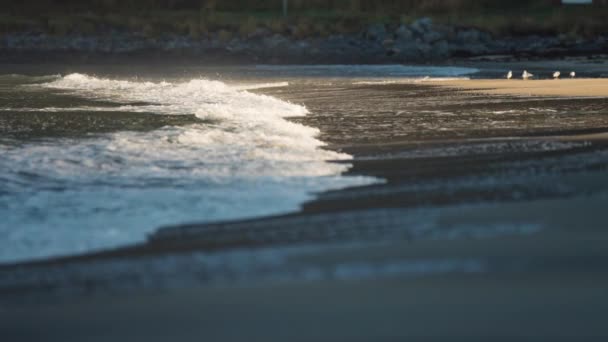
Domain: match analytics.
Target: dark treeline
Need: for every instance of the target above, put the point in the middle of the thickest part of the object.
(384, 6)
(312, 17)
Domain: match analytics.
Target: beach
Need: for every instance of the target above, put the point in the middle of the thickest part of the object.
(597, 87)
(484, 221)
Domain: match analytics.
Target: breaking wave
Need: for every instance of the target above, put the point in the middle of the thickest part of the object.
(243, 159)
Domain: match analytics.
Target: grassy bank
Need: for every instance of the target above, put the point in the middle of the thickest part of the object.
(310, 18)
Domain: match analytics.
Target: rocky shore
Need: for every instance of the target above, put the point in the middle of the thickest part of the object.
(418, 42)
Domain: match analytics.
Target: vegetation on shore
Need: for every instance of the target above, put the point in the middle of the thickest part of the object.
(307, 18)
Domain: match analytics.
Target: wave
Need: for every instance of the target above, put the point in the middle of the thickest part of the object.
(70, 195)
(262, 86)
(251, 123)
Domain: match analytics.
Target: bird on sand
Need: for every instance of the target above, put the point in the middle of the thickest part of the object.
(556, 75)
(510, 75)
(526, 75)
(572, 74)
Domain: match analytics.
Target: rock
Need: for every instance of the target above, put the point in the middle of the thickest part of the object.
(441, 49)
(393, 52)
(485, 38)
(388, 43)
(237, 46)
(419, 42)
(407, 48)
(274, 41)
(447, 31)
(304, 45)
(404, 33)
(337, 42)
(376, 32)
(426, 50)
(421, 26)
(431, 37)
(258, 34)
(469, 36)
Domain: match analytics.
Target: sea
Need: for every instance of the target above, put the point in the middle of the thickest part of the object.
(101, 158)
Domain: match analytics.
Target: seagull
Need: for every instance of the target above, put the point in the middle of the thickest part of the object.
(526, 75)
(510, 75)
(556, 75)
(572, 74)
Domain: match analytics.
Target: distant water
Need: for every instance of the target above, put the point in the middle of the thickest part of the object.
(90, 162)
(384, 71)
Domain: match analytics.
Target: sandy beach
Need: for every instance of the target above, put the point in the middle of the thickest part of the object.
(587, 87)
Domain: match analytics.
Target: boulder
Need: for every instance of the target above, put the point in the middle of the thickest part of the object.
(425, 50)
(376, 32)
(408, 51)
(236, 45)
(431, 37)
(388, 43)
(440, 49)
(468, 36)
(404, 33)
(421, 26)
(274, 41)
(393, 52)
(259, 33)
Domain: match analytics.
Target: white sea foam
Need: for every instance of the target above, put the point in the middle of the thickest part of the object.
(247, 126)
(75, 195)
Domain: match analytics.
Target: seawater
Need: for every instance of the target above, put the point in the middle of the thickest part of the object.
(92, 162)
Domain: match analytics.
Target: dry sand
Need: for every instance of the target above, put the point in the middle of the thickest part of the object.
(580, 87)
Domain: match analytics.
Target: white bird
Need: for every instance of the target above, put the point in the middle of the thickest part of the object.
(510, 75)
(556, 75)
(572, 74)
(526, 75)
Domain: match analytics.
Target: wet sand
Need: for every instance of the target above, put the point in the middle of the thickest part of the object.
(527, 307)
(563, 87)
